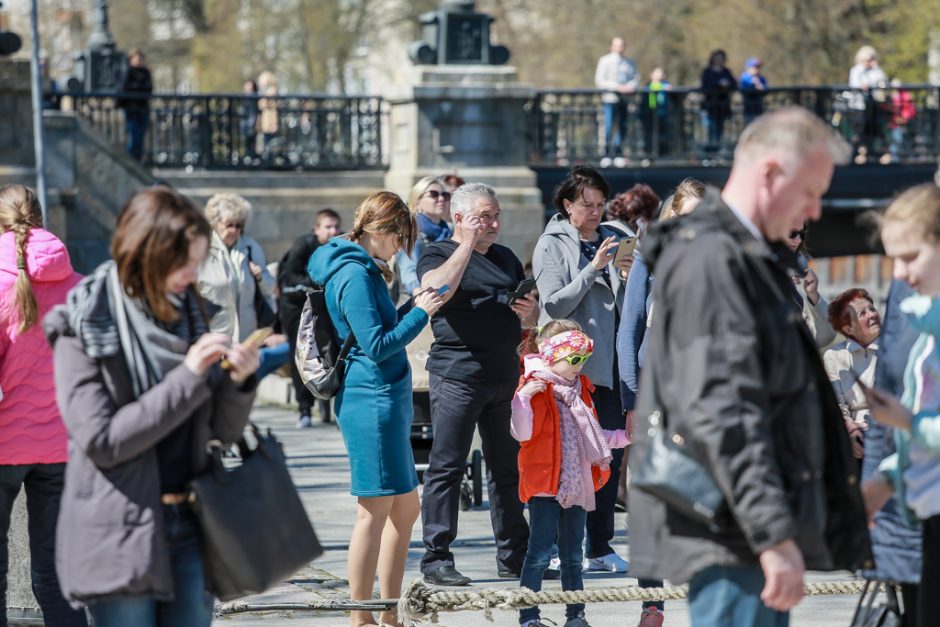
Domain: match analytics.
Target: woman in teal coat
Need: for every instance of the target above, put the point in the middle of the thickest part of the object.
(374, 407)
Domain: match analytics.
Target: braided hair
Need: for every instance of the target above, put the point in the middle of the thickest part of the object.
(20, 212)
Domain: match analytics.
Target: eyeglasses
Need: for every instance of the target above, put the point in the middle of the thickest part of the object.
(434, 194)
(574, 360)
(795, 234)
(235, 225)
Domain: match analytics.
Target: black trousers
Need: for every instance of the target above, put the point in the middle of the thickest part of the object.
(600, 522)
(456, 408)
(928, 601)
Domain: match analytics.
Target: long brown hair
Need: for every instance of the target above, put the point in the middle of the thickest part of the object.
(383, 213)
(152, 239)
(20, 212)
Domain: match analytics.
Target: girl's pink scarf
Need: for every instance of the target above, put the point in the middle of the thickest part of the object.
(583, 444)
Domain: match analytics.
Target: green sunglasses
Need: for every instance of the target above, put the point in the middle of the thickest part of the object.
(574, 360)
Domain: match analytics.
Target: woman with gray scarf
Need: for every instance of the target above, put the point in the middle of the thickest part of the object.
(139, 383)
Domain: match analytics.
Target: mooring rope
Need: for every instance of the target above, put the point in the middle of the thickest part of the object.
(422, 603)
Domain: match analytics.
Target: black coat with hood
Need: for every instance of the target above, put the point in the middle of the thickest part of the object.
(741, 379)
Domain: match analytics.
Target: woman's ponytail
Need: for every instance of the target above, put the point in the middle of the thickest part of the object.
(20, 212)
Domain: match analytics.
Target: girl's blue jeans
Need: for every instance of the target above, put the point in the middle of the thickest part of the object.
(546, 519)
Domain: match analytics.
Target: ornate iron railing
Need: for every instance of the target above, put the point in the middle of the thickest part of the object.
(672, 127)
(218, 131)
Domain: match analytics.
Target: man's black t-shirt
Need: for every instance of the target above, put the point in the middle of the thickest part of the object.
(476, 334)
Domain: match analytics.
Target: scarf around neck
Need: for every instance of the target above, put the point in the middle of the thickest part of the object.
(435, 232)
(583, 444)
(108, 321)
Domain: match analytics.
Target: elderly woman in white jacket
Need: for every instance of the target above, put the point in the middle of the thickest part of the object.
(234, 268)
(232, 271)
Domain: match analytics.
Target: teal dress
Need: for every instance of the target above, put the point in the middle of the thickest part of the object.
(374, 408)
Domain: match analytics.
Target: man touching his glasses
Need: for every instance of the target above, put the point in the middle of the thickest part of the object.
(473, 367)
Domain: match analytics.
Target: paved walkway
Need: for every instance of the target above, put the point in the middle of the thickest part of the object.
(318, 463)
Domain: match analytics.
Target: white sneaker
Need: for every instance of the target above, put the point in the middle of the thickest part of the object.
(611, 563)
(554, 563)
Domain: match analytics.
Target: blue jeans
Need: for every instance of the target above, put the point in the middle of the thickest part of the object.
(43, 484)
(191, 604)
(729, 596)
(272, 358)
(614, 112)
(546, 519)
(135, 127)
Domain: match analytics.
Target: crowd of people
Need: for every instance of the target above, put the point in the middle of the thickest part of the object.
(878, 110)
(696, 317)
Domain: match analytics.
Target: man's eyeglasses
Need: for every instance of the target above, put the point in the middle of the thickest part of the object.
(434, 194)
(795, 234)
(235, 225)
(574, 360)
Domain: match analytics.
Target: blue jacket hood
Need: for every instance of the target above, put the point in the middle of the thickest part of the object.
(332, 256)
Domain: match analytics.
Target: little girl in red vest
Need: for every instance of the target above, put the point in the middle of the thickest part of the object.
(564, 456)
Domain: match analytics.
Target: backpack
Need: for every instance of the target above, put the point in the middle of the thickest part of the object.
(320, 360)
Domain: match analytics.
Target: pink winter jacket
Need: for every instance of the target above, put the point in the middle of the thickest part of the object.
(31, 429)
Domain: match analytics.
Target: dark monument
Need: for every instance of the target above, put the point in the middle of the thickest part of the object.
(456, 35)
(10, 42)
(101, 66)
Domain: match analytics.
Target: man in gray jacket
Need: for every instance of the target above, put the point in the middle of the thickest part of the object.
(734, 378)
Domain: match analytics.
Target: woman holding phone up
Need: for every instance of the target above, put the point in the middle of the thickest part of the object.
(139, 383)
(374, 407)
(578, 279)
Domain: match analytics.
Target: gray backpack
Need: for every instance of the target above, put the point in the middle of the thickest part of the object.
(320, 360)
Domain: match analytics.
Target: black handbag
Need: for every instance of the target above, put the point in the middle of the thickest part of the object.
(264, 314)
(255, 530)
(873, 612)
(672, 475)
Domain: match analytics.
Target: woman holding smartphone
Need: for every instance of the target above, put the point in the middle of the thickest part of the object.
(374, 407)
(141, 392)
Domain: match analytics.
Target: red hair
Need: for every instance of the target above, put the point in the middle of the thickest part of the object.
(640, 201)
(839, 314)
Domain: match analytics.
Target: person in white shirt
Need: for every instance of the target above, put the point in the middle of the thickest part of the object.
(616, 75)
(869, 80)
(850, 364)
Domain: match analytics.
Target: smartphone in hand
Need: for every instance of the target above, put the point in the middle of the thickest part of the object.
(256, 339)
(525, 286)
(625, 249)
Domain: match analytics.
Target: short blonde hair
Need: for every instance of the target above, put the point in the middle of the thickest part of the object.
(794, 131)
(865, 53)
(227, 207)
(418, 189)
(919, 207)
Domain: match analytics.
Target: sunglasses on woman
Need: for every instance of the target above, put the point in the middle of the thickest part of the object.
(795, 234)
(574, 360)
(434, 194)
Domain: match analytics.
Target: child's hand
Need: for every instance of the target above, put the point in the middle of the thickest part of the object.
(532, 387)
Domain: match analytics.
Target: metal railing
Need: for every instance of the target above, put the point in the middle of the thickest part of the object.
(219, 131)
(683, 126)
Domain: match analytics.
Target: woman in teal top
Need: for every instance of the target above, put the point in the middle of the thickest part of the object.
(374, 407)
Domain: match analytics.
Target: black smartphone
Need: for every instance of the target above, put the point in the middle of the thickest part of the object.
(524, 287)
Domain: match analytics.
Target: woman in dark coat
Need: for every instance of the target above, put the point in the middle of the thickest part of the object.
(141, 391)
(717, 84)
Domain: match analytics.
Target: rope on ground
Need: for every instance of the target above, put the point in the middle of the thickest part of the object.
(422, 603)
(341, 605)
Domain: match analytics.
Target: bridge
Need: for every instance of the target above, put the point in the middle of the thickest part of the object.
(664, 141)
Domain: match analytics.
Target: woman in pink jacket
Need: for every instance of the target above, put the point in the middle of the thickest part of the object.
(35, 275)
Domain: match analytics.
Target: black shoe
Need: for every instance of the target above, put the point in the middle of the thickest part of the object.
(505, 573)
(446, 576)
(551, 573)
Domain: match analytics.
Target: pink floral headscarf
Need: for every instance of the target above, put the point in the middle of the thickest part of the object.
(563, 344)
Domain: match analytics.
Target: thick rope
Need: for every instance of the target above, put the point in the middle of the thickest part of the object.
(421, 603)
